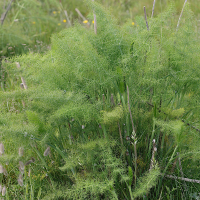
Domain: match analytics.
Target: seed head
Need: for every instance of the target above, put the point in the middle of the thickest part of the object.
(1, 169)
(30, 161)
(47, 151)
(4, 191)
(21, 151)
(5, 172)
(29, 172)
(22, 85)
(127, 138)
(21, 167)
(20, 180)
(1, 149)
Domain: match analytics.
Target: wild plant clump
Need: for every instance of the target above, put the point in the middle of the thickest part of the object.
(105, 114)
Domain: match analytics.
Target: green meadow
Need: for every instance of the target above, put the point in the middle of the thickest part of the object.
(99, 99)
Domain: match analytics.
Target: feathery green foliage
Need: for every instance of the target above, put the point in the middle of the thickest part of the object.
(147, 182)
(77, 104)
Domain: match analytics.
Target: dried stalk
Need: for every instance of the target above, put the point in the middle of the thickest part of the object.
(103, 101)
(3, 16)
(180, 166)
(179, 161)
(112, 100)
(95, 22)
(183, 179)
(23, 84)
(83, 18)
(4, 4)
(154, 2)
(23, 81)
(181, 15)
(134, 136)
(120, 133)
(153, 155)
(174, 165)
(67, 17)
(145, 14)
(130, 110)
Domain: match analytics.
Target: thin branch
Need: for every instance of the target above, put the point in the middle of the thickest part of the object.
(3, 16)
(145, 14)
(67, 17)
(181, 15)
(79, 13)
(183, 179)
(181, 119)
(157, 108)
(190, 125)
(95, 24)
(154, 2)
(134, 136)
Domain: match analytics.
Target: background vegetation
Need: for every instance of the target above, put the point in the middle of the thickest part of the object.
(112, 115)
(29, 24)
